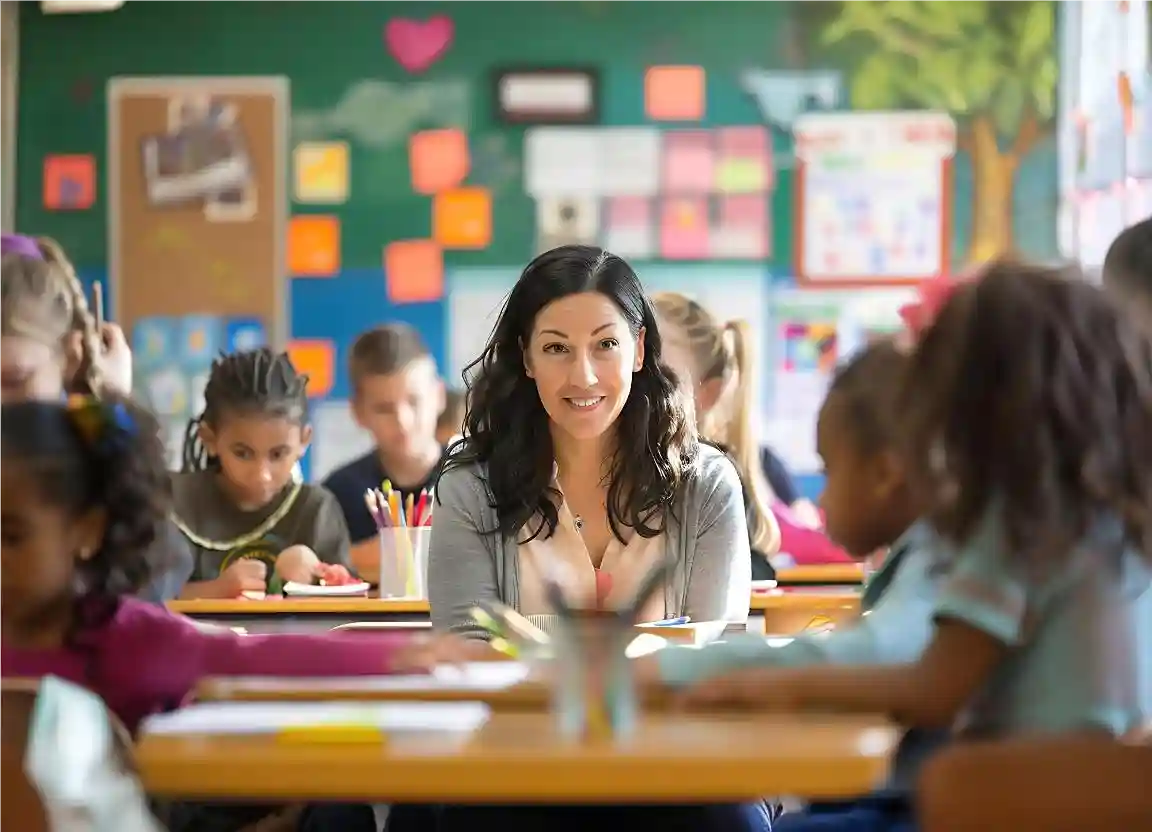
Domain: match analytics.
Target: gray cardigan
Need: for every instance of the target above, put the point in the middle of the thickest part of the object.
(706, 540)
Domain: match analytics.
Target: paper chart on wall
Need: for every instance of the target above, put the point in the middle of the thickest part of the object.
(810, 333)
(336, 438)
(475, 298)
(872, 196)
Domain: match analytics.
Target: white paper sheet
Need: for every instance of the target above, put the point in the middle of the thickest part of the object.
(476, 676)
(336, 438)
(562, 161)
(270, 717)
(475, 298)
(629, 161)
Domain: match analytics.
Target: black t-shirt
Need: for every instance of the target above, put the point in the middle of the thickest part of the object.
(350, 482)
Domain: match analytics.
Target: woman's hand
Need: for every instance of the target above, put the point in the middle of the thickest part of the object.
(422, 654)
(760, 689)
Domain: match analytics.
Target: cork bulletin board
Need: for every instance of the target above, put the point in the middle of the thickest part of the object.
(197, 199)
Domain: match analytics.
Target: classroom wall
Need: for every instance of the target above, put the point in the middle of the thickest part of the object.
(764, 65)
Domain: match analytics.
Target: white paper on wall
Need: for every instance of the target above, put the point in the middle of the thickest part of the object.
(475, 298)
(562, 161)
(336, 438)
(566, 220)
(629, 161)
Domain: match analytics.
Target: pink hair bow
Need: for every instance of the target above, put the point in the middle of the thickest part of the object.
(932, 295)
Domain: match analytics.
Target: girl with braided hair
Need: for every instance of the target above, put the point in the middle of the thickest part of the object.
(250, 523)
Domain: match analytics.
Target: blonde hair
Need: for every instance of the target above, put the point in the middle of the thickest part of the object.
(724, 351)
(42, 299)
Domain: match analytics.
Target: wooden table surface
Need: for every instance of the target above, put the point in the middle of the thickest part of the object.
(851, 574)
(363, 605)
(518, 757)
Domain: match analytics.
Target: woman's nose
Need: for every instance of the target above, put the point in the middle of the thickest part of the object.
(583, 372)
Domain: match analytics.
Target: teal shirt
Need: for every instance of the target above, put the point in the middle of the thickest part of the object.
(1081, 641)
(895, 626)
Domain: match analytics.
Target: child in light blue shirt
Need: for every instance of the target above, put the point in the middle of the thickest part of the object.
(1025, 414)
(868, 506)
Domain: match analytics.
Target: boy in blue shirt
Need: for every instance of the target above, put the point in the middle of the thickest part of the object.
(397, 396)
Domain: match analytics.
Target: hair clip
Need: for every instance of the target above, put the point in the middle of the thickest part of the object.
(20, 244)
(932, 295)
(102, 426)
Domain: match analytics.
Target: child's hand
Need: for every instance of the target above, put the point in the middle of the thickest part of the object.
(246, 575)
(762, 689)
(115, 359)
(297, 563)
(421, 655)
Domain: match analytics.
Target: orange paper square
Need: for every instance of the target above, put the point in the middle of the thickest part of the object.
(674, 93)
(314, 246)
(462, 218)
(414, 271)
(316, 358)
(69, 182)
(438, 160)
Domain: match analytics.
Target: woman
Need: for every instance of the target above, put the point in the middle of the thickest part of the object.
(717, 358)
(580, 459)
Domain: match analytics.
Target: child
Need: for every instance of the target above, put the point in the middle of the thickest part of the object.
(397, 397)
(717, 360)
(1128, 270)
(84, 494)
(869, 506)
(1026, 419)
(51, 342)
(52, 346)
(451, 423)
(252, 525)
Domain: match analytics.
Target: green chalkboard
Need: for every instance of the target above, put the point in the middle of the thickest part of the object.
(346, 85)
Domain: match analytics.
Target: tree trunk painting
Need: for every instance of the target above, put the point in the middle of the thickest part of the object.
(994, 180)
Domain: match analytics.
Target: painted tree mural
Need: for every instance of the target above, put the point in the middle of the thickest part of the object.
(991, 65)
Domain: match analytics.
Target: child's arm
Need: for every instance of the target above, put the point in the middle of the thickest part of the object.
(150, 640)
(979, 617)
(895, 631)
(1068, 784)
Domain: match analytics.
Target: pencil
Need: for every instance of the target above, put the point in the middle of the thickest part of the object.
(98, 303)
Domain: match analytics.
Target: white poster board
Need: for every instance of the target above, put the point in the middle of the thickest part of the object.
(873, 199)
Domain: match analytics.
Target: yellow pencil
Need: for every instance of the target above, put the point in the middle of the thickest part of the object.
(409, 518)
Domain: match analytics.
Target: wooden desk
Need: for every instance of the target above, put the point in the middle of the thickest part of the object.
(300, 614)
(788, 611)
(842, 574)
(517, 757)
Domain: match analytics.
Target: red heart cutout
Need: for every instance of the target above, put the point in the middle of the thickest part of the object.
(417, 44)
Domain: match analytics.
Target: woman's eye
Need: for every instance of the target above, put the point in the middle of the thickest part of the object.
(609, 344)
(555, 348)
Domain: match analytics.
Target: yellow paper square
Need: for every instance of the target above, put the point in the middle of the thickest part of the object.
(320, 172)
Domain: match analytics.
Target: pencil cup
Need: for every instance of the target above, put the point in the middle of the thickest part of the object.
(404, 562)
(595, 693)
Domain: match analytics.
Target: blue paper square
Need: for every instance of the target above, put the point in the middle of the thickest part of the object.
(200, 340)
(154, 341)
(243, 334)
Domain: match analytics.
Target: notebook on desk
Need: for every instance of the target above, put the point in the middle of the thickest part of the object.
(248, 718)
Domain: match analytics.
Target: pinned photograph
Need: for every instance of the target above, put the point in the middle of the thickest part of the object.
(235, 205)
(566, 221)
(203, 152)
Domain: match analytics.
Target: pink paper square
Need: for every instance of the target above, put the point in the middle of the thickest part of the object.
(629, 211)
(684, 228)
(689, 162)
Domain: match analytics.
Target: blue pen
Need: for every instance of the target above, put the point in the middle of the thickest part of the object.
(671, 622)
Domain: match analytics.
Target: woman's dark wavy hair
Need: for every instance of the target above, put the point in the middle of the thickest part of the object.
(506, 426)
(1032, 393)
(120, 470)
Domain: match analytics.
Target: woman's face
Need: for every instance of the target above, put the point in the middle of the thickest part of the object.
(30, 369)
(582, 356)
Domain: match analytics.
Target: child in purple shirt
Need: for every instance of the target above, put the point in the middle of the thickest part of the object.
(84, 493)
